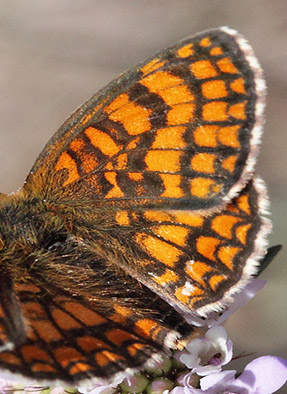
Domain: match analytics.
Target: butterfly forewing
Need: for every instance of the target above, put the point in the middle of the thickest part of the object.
(178, 131)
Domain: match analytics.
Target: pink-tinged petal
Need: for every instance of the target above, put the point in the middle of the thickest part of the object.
(229, 352)
(186, 390)
(217, 380)
(177, 390)
(57, 390)
(103, 390)
(4, 384)
(265, 374)
(33, 389)
(98, 387)
(196, 345)
(217, 334)
(187, 383)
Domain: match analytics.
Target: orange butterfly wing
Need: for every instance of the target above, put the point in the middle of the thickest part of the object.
(70, 339)
(179, 131)
(198, 262)
(149, 176)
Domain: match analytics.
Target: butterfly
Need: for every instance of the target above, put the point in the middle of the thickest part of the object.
(141, 210)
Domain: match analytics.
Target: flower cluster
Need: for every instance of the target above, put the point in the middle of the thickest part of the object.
(198, 369)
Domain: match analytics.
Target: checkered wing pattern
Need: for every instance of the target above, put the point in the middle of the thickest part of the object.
(71, 339)
(179, 131)
(197, 262)
(147, 196)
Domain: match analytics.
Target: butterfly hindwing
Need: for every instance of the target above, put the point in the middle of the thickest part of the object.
(197, 262)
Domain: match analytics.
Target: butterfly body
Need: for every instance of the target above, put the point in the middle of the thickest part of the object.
(140, 206)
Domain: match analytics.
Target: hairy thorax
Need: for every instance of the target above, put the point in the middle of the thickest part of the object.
(40, 243)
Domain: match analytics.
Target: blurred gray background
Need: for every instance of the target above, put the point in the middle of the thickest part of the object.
(54, 54)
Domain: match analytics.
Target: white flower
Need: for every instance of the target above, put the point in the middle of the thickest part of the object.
(206, 355)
